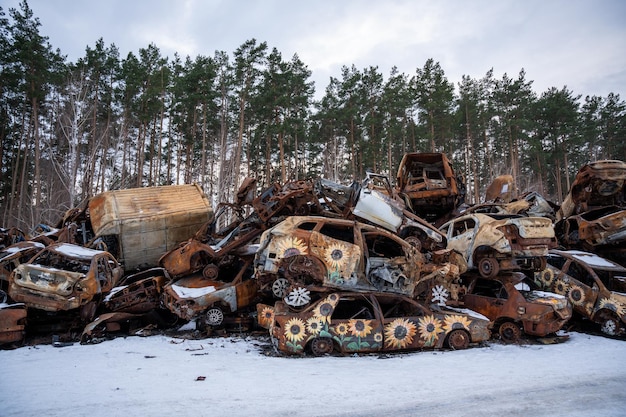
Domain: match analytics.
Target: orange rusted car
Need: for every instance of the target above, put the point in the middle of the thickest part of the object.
(514, 305)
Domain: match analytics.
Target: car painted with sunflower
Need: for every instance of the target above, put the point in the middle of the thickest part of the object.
(514, 305)
(595, 286)
(354, 322)
(311, 253)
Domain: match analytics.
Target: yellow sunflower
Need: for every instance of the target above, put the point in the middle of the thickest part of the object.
(576, 295)
(323, 310)
(288, 246)
(613, 305)
(429, 327)
(341, 329)
(561, 287)
(295, 330)
(267, 316)
(335, 255)
(378, 337)
(314, 325)
(399, 333)
(359, 327)
(452, 322)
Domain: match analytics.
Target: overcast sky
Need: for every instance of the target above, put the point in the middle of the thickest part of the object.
(580, 44)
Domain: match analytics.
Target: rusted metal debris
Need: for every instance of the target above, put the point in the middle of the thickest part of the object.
(12, 322)
(429, 185)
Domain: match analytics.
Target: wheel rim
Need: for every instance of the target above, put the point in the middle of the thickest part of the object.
(210, 271)
(298, 297)
(458, 339)
(509, 332)
(321, 346)
(488, 267)
(279, 287)
(609, 327)
(214, 317)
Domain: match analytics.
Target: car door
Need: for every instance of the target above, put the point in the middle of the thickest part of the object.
(487, 296)
(461, 233)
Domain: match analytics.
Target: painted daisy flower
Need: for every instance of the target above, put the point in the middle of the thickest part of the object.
(429, 327)
(399, 333)
(453, 322)
(341, 329)
(359, 327)
(295, 330)
(314, 325)
(290, 246)
(576, 295)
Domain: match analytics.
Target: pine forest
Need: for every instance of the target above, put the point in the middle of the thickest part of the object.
(70, 130)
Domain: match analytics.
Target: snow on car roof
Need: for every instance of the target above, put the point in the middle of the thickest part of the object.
(467, 311)
(10, 250)
(187, 292)
(75, 251)
(594, 260)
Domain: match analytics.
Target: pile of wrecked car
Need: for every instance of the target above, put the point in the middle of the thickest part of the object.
(326, 267)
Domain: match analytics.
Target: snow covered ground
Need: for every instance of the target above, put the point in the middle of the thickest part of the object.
(235, 376)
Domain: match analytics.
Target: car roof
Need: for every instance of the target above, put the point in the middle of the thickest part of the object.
(590, 259)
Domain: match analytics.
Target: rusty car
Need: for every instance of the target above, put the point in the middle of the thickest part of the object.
(597, 184)
(12, 322)
(305, 253)
(600, 226)
(515, 306)
(352, 322)
(12, 256)
(493, 243)
(595, 286)
(429, 184)
(64, 277)
(211, 302)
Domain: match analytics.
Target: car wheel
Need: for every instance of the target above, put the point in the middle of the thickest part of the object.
(488, 267)
(322, 346)
(211, 271)
(539, 264)
(298, 297)
(458, 339)
(610, 325)
(214, 316)
(509, 332)
(279, 287)
(414, 241)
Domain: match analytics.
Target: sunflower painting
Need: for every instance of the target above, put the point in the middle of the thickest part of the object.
(576, 295)
(359, 329)
(295, 331)
(288, 246)
(429, 328)
(613, 305)
(341, 335)
(266, 318)
(324, 309)
(399, 333)
(453, 322)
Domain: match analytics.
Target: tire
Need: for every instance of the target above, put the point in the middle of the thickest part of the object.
(214, 317)
(610, 325)
(458, 339)
(210, 272)
(488, 267)
(510, 332)
(322, 346)
(539, 264)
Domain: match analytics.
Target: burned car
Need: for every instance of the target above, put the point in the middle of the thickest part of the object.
(64, 277)
(595, 286)
(305, 253)
(514, 305)
(212, 301)
(12, 322)
(350, 322)
(429, 185)
(493, 243)
(14, 255)
(601, 226)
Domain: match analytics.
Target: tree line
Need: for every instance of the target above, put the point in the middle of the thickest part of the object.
(70, 130)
